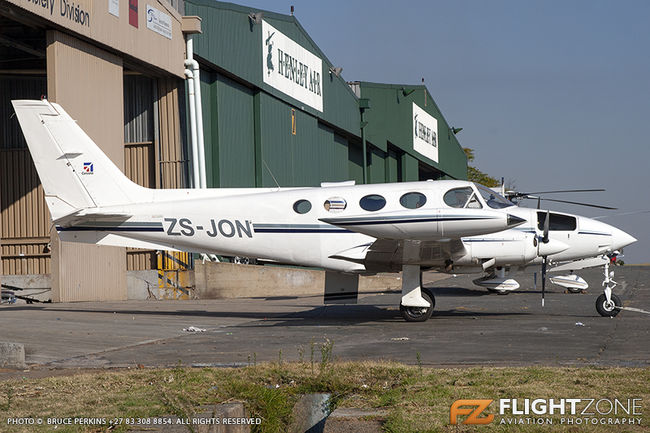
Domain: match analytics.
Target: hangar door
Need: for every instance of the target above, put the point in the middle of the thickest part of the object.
(24, 218)
(139, 149)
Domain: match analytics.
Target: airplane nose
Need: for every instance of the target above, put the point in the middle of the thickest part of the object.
(514, 221)
(621, 239)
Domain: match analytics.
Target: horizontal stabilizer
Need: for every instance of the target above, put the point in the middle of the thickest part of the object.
(112, 239)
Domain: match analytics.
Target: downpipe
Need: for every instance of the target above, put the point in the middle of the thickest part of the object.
(193, 66)
(195, 155)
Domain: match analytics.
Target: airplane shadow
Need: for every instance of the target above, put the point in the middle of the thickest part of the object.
(457, 291)
(341, 315)
(315, 316)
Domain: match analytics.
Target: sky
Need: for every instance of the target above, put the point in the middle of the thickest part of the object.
(550, 94)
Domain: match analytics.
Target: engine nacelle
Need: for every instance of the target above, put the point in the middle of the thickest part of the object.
(571, 282)
(497, 284)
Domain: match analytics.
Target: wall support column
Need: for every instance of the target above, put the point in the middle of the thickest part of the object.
(88, 83)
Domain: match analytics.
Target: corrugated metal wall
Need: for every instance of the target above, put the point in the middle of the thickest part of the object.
(315, 153)
(376, 165)
(172, 169)
(235, 131)
(24, 218)
(252, 137)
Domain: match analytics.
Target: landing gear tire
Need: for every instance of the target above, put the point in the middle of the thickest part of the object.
(499, 291)
(418, 314)
(608, 310)
(574, 290)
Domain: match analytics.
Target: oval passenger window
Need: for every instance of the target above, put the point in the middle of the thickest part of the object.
(413, 200)
(372, 202)
(457, 197)
(302, 206)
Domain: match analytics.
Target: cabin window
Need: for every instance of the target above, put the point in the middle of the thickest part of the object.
(335, 204)
(458, 197)
(492, 198)
(413, 200)
(372, 203)
(302, 206)
(558, 222)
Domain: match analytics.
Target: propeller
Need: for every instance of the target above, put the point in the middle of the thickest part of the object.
(569, 202)
(545, 258)
(521, 194)
(514, 195)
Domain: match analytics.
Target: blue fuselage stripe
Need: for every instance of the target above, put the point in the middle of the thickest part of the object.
(110, 229)
(403, 221)
(290, 230)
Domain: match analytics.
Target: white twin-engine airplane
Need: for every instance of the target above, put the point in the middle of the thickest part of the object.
(450, 226)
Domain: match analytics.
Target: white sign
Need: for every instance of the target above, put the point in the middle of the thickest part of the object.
(425, 133)
(114, 7)
(290, 68)
(159, 22)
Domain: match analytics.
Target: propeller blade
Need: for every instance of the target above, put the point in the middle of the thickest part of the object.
(619, 214)
(557, 192)
(543, 279)
(580, 204)
(547, 223)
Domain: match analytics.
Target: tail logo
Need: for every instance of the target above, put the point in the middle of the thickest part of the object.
(88, 168)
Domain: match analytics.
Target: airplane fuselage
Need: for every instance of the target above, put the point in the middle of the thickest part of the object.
(328, 227)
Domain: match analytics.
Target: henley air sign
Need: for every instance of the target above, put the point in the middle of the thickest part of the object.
(425, 133)
(290, 68)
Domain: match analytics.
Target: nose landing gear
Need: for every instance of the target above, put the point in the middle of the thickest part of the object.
(608, 303)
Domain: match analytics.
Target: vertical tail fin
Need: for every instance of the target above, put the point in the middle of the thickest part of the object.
(74, 172)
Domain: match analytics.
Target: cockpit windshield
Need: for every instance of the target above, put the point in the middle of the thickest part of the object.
(492, 198)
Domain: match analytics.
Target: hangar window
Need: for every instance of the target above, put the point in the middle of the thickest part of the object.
(372, 202)
(413, 200)
(335, 204)
(558, 222)
(302, 206)
(462, 197)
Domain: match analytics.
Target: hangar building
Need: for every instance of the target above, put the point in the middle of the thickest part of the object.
(274, 110)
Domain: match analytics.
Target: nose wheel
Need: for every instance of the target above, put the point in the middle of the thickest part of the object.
(608, 303)
(608, 308)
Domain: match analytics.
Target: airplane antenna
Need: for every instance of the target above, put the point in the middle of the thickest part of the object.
(271, 173)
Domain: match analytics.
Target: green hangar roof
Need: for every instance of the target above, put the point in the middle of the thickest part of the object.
(408, 118)
(275, 109)
(276, 55)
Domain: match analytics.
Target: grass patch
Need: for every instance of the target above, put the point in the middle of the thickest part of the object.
(417, 399)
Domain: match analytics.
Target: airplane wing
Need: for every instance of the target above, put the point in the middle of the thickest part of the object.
(82, 216)
(427, 224)
(581, 264)
(384, 254)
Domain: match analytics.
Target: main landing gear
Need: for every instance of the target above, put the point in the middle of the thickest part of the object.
(608, 303)
(417, 303)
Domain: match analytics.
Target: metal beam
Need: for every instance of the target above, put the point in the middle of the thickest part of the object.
(6, 41)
